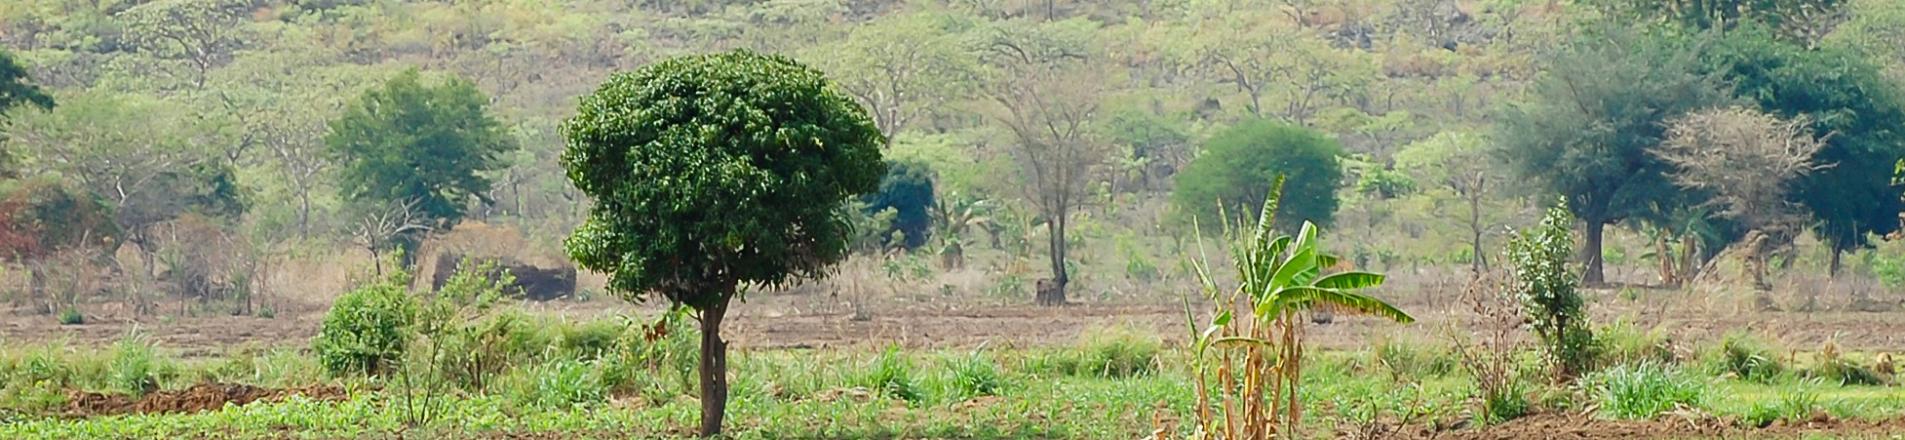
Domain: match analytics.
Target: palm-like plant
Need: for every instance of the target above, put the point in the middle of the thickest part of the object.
(1259, 359)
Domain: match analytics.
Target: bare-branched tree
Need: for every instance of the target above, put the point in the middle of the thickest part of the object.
(1045, 92)
(380, 229)
(1746, 158)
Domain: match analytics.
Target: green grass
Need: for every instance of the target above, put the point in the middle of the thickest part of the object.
(595, 380)
(1644, 390)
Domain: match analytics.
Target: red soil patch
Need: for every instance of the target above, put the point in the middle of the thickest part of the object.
(198, 398)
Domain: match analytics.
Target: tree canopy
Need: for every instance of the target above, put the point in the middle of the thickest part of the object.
(407, 142)
(1849, 103)
(1587, 129)
(1239, 164)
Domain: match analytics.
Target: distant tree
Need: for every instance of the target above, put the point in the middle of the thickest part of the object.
(202, 33)
(902, 68)
(907, 189)
(1282, 73)
(1747, 159)
(1154, 147)
(1849, 103)
(137, 153)
(406, 142)
(16, 91)
(1801, 21)
(15, 86)
(715, 172)
(1591, 121)
(1043, 89)
(1460, 163)
(1239, 163)
(41, 217)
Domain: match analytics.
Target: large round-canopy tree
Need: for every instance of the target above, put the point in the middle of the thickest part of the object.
(1239, 164)
(714, 172)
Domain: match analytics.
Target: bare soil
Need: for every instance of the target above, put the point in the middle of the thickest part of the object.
(1581, 427)
(201, 397)
(815, 319)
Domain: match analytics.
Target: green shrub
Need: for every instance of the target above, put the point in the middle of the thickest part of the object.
(368, 328)
(71, 316)
(1625, 343)
(1745, 357)
(593, 339)
(892, 376)
(133, 366)
(1644, 390)
(1540, 257)
(976, 376)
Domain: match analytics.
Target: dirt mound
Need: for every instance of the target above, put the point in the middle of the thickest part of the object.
(201, 397)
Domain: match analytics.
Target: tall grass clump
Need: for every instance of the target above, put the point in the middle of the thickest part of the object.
(657, 359)
(1797, 401)
(368, 328)
(134, 366)
(1625, 343)
(1115, 352)
(1413, 359)
(976, 375)
(1644, 390)
(1746, 358)
(559, 384)
(892, 376)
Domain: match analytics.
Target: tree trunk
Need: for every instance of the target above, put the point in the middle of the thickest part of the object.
(1053, 294)
(304, 213)
(1475, 230)
(1591, 254)
(1832, 264)
(714, 370)
(36, 289)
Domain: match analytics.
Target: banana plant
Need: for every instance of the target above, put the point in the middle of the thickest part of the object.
(1279, 277)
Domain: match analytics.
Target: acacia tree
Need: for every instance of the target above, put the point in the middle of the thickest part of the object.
(1748, 160)
(1591, 121)
(407, 143)
(714, 172)
(1045, 92)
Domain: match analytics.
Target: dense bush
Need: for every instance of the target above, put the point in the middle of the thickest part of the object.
(908, 190)
(368, 328)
